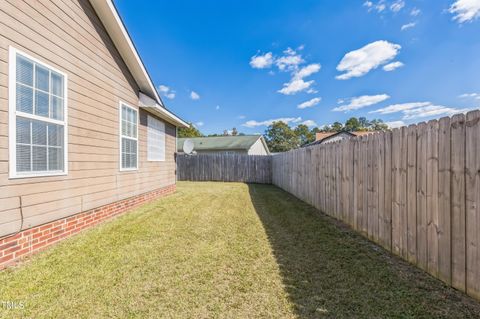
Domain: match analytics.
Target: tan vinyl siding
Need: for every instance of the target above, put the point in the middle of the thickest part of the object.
(68, 35)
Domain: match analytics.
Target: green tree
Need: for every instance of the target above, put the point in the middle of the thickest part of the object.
(281, 138)
(336, 127)
(378, 125)
(364, 123)
(352, 125)
(234, 131)
(316, 130)
(304, 135)
(190, 131)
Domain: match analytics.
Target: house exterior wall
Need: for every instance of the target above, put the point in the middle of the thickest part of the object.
(258, 148)
(68, 35)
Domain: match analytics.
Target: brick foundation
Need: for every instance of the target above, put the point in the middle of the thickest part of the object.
(33, 240)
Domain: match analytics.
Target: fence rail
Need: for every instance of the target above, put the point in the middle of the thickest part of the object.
(225, 168)
(414, 190)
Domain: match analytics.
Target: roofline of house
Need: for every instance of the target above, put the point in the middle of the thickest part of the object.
(117, 31)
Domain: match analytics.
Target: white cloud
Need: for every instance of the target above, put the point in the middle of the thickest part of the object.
(395, 124)
(397, 5)
(394, 108)
(309, 123)
(368, 4)
(432, 110)
(290, 61)
(465, 10)
(163, 88)
(167, 92)
(241, 117)
(307, 71)
(415, 12)
(217, 107)
(262, 61)
(392, 66)
(253, 123)
(310, 103)
(312, 91)
(361, 102)
(295, 86)
(380, 7)
(408, 26)
(194, 95)
(359, 62)
(420, 110)
(199, 123)
(470, 95)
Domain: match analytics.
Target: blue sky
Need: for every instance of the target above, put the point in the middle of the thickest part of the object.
(314, 62)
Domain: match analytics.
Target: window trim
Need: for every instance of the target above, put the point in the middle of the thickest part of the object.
(13, 113)
(120, 136)
(149, 159)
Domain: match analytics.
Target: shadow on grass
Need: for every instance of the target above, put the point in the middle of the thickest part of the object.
(330, 271)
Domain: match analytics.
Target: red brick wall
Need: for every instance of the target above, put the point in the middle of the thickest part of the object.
(35, 239)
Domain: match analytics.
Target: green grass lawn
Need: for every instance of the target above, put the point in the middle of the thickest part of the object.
(217, 250)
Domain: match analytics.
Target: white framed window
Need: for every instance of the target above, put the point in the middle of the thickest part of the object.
(38, 128)
(155, 140)
(128, 138)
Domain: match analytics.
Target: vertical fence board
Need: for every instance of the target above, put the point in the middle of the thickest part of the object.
(403, 193)
(444, 204)
(381, 187)
(473, 203)
(421, 195)
(387, 215)
(458, 201)
(351, 181)
(396, 192)
(370, 186)
(375, 189)
(432, 197)
(411, 193)
(355, 183)
(365, 185)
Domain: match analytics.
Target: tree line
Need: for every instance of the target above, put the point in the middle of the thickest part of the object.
(281, 137)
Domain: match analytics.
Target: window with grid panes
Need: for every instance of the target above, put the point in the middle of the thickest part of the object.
(40, 124)
(129, 138)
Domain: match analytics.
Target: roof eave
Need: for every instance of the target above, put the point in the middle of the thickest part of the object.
(151, 106)
(112, 22)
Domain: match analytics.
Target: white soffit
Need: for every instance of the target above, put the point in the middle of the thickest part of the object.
(151, 106)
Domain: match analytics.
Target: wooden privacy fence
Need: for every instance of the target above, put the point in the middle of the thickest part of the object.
(414, 190)
(225, 168)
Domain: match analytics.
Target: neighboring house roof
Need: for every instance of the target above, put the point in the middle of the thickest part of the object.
(150, 99)
(323, 137)
(224, 143)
